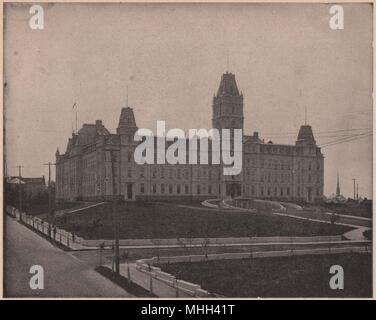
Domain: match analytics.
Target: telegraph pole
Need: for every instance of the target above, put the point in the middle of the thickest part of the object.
(20, 190)
(354, 187)
(115, 215)
(357, 191)
(50, 213)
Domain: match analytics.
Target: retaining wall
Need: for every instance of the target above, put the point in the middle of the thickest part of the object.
(201, 241)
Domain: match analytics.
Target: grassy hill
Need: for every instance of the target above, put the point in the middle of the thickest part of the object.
(166, 220)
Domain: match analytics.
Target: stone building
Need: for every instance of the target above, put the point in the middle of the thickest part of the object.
(98, 164)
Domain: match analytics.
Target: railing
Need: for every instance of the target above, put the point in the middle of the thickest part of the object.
(60, 236)
(180, 287)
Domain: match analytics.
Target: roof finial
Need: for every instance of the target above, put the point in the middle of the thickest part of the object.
(305, 107)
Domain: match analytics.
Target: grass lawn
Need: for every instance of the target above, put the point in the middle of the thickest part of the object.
(300, 276)
(363, 209)
(157, 220)
(42, 208)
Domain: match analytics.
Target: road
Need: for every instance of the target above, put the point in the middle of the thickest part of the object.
(64, 275)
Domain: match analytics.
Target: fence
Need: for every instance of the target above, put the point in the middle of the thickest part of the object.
(60, 236)
(256, 254)
(190, 289)
(199, 242)
(181, 287)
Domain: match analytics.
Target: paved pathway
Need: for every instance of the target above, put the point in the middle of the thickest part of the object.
(65, 275)
(356, 234)
(159, 288)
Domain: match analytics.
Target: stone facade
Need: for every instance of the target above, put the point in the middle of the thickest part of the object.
(90, 169)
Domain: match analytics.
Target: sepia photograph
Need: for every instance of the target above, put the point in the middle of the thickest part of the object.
(187, 150)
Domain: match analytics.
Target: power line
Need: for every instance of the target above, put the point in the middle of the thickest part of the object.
(321, 136)
(316, 132)
(339, 141)
(343, 140)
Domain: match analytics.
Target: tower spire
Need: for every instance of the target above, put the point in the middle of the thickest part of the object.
(338, 191)
(127, 97)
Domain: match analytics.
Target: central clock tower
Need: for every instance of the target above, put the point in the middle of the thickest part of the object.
(228, 105)
(228, 114)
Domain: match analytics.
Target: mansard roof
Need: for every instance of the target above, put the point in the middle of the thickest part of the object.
(127, 118)
(87, 134)
(305, 135)
(228, 85)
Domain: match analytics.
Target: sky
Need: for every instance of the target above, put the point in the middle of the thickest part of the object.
(171, 57)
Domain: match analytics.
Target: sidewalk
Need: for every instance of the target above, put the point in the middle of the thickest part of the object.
(356, 234)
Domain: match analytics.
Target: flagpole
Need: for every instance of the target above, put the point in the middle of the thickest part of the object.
(75, 109)
(76, 118)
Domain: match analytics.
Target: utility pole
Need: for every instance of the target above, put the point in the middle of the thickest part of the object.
(357, 191)
(115, 215)
(20, 190)
(354, 187)
(50, 213)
